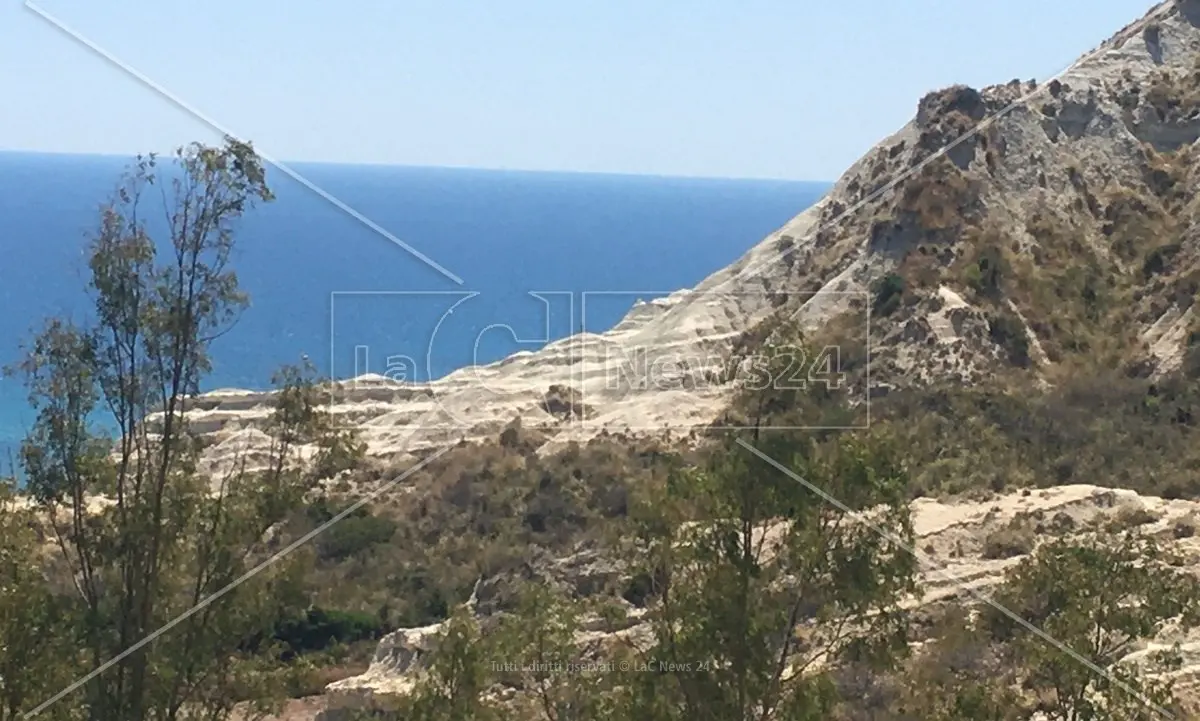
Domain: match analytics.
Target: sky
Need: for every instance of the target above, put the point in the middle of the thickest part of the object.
(787, 89)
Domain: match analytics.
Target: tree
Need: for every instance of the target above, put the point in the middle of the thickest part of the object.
(1097, 597)
(761, 586)
(453, 687)
(148, 539)
(959, 675)
(754, 588)
(35, 655)
(567, 680)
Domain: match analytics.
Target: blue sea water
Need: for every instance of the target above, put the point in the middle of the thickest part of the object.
(325, 285)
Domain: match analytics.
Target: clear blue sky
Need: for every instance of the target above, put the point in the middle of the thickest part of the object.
(736, 88)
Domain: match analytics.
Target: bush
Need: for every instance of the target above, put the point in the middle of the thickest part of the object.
(319, 629)
(1132, 515)
(940, 196)
(350, 536)
(341, 451)
(1062, 523)
(1008, 543)
(987, 274)
(1007, 331)
(1157, 260)
(1185, 527)
(888, 294)
(638, 590)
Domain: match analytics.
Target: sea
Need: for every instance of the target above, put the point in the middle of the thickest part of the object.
(409, 271)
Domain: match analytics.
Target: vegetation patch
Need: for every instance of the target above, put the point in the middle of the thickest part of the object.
(888, 293)
(1016, 540)
(987, 269)
(938, 196)
(1007, 331)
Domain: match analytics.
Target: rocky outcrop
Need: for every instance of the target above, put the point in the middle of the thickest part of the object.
(565, 403)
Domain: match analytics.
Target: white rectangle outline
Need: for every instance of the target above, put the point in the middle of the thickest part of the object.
(865, 295)
(574, 348)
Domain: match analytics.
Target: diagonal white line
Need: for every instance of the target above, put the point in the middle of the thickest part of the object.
(244, 577)
(199, 115)
(975, 130)
(979, 595)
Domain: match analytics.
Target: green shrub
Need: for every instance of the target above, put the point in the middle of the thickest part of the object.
(639, 589)
(1156, 260)
(888, 294)
(319, 629)
(1007, 331)
(986, 275)
(351, 535)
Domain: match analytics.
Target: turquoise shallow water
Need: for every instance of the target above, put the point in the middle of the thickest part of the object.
(325, 285)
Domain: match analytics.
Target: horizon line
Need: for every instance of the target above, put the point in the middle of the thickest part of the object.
(486, 169)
